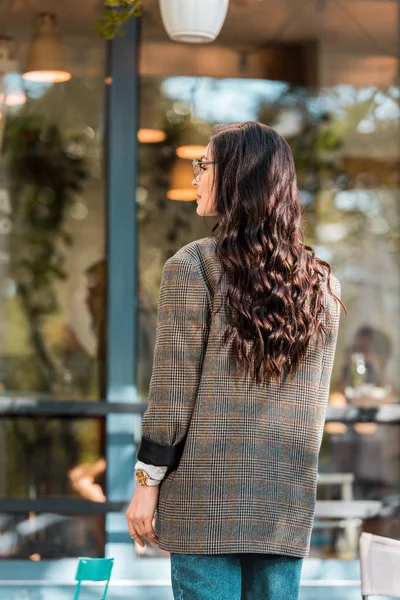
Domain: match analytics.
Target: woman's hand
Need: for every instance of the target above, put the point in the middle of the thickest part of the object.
(140, 514)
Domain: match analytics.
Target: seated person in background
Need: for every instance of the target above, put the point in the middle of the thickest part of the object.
(375, 346)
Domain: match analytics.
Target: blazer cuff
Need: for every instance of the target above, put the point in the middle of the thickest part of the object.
(159, 455)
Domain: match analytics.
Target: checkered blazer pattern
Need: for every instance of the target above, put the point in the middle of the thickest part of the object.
(242, 456)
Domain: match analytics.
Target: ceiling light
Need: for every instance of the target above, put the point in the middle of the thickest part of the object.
(182, 195)
(151, 111)
(151, 136)
(194, 139)
(15, 98)
(46, 61)
(181, 178)
(192, 21)
(191, 151)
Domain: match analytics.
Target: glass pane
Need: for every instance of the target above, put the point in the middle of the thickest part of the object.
(368, 457)
(52, 222)
(339, 538)
(47, 458)
(51, 536)
(328, 82)
(357, 462)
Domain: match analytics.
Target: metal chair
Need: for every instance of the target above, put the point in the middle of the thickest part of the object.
(380, 566)
(350, 527)
(93, 569)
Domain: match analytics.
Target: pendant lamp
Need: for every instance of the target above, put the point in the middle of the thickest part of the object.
(181, 180)
(194, 140)
(46, 60)
(151, 114)
(193, 21)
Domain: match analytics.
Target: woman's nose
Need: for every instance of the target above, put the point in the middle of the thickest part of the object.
(194, 182)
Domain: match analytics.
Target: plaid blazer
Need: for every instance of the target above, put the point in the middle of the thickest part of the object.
(242, 457)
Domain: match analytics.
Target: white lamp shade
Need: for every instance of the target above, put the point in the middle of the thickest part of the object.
(46, 61)
(193, 21)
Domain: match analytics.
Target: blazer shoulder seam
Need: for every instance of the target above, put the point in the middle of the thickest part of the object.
(185, 256)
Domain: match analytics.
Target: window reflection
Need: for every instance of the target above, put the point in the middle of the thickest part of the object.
(51, 458)
(44, 457)
(341, 120)
(348, 180)
(50, 536)
(52, 235)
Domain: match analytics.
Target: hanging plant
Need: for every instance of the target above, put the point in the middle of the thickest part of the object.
(112, 21)
(185, 21)
(45, 178)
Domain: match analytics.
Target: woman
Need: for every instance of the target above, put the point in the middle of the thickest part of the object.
(246, 335)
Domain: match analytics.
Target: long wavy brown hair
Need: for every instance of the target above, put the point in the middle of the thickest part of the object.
(274, 294)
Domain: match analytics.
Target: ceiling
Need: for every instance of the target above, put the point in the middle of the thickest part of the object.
(354, 35)
(362, 26)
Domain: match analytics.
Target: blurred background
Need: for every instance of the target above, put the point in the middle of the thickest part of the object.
(95, 196)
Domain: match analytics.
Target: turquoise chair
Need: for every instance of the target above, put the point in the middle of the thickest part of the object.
(93, 569)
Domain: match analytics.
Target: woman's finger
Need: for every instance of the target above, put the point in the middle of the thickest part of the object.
(145, 530)
(149, 532)
(135, 535)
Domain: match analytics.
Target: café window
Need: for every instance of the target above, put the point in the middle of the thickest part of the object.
(52, 285)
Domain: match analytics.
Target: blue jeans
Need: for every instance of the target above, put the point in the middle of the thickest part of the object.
(235, 576)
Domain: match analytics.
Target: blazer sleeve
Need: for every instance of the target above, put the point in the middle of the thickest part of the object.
(328, 355)
(181, 338)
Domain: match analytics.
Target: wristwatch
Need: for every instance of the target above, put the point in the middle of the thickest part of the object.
(144, 478)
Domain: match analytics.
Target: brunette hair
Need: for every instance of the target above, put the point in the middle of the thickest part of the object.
(274, 296)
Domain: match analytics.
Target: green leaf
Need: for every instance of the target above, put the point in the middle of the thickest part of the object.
(112, 19)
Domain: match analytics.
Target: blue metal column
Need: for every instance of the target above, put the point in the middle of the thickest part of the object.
(121, 164)
(122, 308)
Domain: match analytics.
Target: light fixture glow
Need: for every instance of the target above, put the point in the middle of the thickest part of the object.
(182, 195)
(47, 76)
(79, 211)
(335, 428)
(46, 61)
(151, 136)
(181, 179)
(15, 99)
(191, 151)
(365, 428)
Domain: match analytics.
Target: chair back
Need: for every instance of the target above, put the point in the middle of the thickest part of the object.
(380, 566)
(93, 569)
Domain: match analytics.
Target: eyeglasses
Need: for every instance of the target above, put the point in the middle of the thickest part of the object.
(198, 167)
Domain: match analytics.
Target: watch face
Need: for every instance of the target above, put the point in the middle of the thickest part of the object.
(141, 476)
